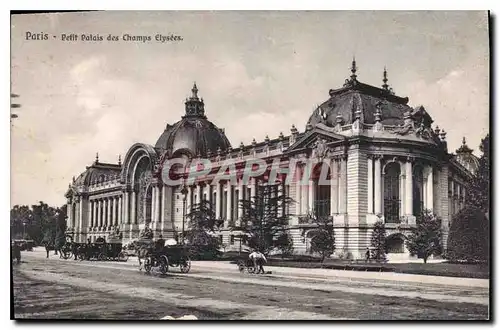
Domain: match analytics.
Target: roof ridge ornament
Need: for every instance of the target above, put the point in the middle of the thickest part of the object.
(97, 157)
(385, 85)
(353, 69)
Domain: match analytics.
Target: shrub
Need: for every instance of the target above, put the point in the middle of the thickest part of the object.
(468, 238)
(378, 240)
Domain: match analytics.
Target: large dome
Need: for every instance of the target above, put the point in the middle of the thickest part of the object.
(358, 99)
(194, 133)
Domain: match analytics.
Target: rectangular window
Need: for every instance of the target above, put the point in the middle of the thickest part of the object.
(231, 241)
(220, 239)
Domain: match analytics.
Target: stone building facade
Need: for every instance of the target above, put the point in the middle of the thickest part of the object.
(384, 158)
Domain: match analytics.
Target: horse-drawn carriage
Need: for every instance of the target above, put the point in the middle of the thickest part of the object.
(100, 251)
(164, 257)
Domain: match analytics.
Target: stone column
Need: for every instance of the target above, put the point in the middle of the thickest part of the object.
(370, 185)
(409, 187)
(133, 208)
(189, 199)
(240, 196)
(80, 216)
(109, 220)
(114, 220)
(157, 204)
(126, 218)
(334, 188)
(402, 178)
(162, 203)
(298, 192)
(229, 202)
(153, 205)
(120, 207)
(430, 189)
(70, 214)
(253, 188)
(311, 188)
(218, 201)
(198, 193)
(343, 186)
(98, 214)
(378, 186)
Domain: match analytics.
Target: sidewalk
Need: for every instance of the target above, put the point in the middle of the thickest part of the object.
(332, 274)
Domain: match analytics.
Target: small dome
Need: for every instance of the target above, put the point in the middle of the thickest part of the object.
(194, 133)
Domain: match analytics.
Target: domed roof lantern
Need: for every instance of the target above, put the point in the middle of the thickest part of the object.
(194, 106)
(464, 148)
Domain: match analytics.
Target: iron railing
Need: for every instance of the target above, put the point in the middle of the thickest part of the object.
(391, 210)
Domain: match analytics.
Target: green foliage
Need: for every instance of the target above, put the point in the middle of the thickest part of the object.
(425, 239)
(378, 240)
(323, 241)
(265, 220)
(478, 189)
(200, 235)
(468, 238)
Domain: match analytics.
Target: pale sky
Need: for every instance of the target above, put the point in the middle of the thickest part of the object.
(258, 72)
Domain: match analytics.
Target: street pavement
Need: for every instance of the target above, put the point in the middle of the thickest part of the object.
(55, 288)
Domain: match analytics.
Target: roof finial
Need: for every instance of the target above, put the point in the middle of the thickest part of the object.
(97, 157)
(353, 69)
(463, 141)
(119, 159)
(385, 86)
(195, 91)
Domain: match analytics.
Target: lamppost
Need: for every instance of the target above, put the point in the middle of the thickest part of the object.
(184, 192)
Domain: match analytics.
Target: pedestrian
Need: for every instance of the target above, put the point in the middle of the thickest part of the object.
(258, 259)
(367, 254)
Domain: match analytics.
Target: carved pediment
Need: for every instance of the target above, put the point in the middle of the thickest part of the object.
(318, 140)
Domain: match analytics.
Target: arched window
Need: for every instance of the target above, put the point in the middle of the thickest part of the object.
(392, 200)
(322, 191)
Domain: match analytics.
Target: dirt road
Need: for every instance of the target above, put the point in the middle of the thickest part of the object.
(54, 288)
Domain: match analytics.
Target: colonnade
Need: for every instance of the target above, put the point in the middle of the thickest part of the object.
(105, 212)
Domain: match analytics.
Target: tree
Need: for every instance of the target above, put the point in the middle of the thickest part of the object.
(60, 232)
(425, 239)
(323, 241)
(202, 224)
(478, 188)
(21, 217)
(468, 238)
(378, 240)
(265, 220)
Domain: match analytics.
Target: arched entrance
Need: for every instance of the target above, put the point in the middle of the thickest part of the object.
(392, 201)
(143, 190)
(395, 244)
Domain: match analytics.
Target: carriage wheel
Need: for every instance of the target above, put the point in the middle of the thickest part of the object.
(81, 256)
(123, 256)
(241, 267)
(251, 269)
(67, 255)
(147, 265)
(163, 264)
(101, 257)
(185, 265)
